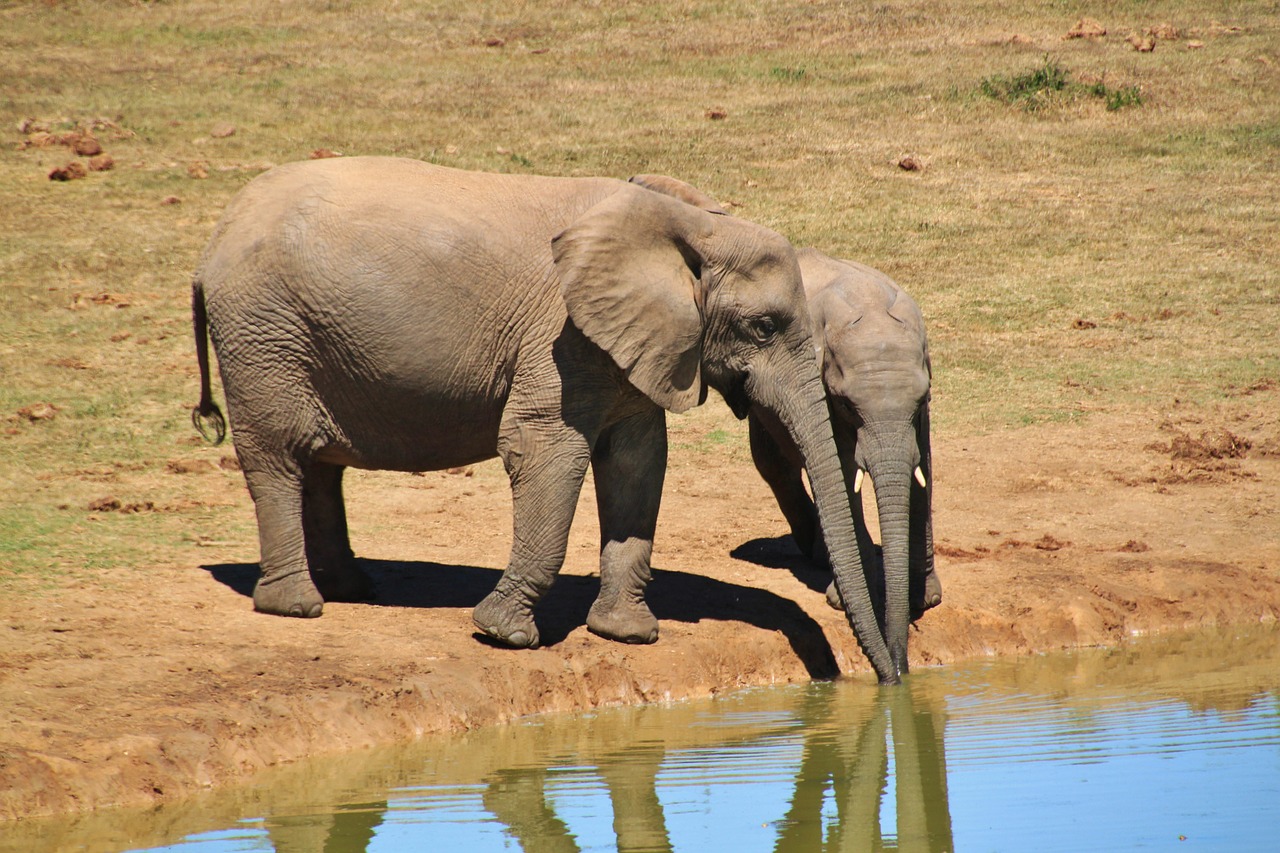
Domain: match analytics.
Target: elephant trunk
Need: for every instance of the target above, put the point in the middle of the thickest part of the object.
(892, 464)
(807, 419)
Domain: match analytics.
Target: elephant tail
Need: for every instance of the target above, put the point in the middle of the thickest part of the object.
(206, 417)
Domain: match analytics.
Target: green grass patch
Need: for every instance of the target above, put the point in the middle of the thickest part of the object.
(1050, 83)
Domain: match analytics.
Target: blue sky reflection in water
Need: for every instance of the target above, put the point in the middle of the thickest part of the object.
(1170, 744)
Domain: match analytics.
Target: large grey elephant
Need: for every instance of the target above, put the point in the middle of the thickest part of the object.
(875, 366)
(391, 314)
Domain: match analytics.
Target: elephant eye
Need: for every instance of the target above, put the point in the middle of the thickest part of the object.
(764, 328)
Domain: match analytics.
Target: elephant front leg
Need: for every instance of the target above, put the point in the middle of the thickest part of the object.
(284, 586)
(629, 464)
(783, 476)
(546, 467)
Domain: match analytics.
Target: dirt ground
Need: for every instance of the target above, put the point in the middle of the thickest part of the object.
(149, 685)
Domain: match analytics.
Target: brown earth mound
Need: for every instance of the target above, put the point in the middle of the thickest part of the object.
(141, 686)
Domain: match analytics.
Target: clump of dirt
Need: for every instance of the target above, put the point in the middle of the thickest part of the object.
(188, 466)
(70, 172)
(81, 136)
(1047, 542)
(1086, 28)
(1142, 42)
(111, 503)
(1212, 456)
(39, 412)
(1209, 446)
(1265, 384)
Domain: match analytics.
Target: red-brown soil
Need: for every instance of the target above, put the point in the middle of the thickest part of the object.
(150, 684)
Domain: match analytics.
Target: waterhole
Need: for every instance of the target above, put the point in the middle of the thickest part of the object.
(1169, 743)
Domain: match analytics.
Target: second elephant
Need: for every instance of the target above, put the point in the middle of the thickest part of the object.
(875, 366)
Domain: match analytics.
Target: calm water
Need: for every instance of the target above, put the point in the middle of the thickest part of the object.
(1170, 744)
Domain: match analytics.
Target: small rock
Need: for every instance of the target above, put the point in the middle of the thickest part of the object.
(717, 114)
(223, 130)
(199, 171)
(102, 163)
(1082, 324)
(910, 164)
(171, 199)
(70, 172)
(324, 154)
(1164, 31)
(494, 42)
(1195, 44)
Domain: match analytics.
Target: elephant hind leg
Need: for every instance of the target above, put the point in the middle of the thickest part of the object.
(334, 568)
(284, 586)
(629, 464)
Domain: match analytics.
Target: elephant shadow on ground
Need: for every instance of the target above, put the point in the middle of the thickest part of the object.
(781, 552)
(673, 595)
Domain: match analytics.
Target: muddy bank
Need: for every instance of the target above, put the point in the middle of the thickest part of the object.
(143, 686)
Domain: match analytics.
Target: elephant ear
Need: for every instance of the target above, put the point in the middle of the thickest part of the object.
(677, 188)
(630, 272)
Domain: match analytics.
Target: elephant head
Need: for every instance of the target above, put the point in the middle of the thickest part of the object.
(875, 365)
(683, 298)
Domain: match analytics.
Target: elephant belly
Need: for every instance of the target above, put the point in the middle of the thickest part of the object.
(387, 429)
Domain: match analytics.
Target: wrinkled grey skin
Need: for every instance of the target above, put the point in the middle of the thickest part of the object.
(391, 314)
(875, 366)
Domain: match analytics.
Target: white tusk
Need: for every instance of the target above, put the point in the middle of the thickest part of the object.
(920, 478)
(857, 482)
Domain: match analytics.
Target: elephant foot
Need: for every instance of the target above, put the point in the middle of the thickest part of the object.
(633, 623)
(348, 583)
(507, 621)
(932, 596)
(833, 597)
(289, 595)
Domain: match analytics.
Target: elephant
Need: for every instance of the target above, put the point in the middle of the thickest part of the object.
(392, 314)
(874, 357)
(877, 374)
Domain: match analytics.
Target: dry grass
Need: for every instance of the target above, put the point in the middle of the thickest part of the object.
(1069, 259)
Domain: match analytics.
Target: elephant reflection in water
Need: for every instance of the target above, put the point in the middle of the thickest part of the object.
(844, 763)
(854, 765)
(852, 762)
(517, 798)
